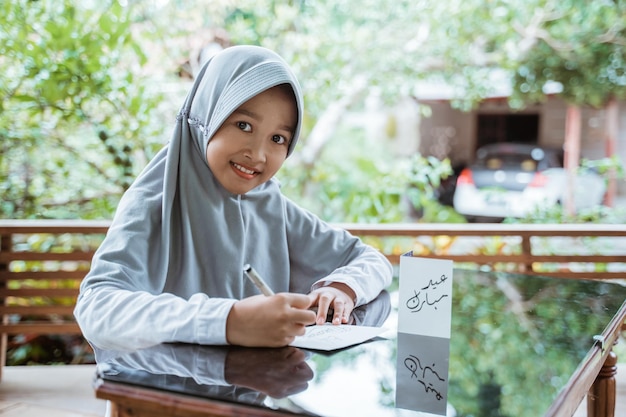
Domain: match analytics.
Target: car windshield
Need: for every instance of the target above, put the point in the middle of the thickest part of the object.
(511, 161)
(517, 158)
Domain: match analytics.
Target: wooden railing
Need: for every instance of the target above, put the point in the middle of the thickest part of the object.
(41, 266)
(584, 251)
(42, 262)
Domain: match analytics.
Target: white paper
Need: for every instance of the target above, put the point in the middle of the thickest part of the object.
(331, 337)
(424, 319)
(425, 296)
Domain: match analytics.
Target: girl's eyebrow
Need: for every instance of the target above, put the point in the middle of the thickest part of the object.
(256, 117)
(248, 113)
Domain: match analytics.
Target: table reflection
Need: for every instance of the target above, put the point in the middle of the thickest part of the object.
(515, 342)
(422, 373)
(238, 374)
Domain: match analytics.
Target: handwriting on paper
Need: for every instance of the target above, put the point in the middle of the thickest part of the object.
(427, 296)
(422, 373)
(424, 325)
(331, 337)
(425, 375)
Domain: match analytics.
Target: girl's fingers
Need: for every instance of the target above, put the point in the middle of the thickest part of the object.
(340, 309)
(322, 310)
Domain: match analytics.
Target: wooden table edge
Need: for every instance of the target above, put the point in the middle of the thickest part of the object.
(155, 402)
(568, 401)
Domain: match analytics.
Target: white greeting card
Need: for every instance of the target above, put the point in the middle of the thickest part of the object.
(425, 296)
(424, 321)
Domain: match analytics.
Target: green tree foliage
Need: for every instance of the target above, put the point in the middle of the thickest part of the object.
(74, 116)
(340, 46)
(579, 44)
(79, 118)
(360, 48)
(348, 185)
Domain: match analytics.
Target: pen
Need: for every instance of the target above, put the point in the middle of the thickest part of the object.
(257, 280)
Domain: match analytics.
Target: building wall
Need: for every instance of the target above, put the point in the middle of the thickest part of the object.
(552, 123)
(447, 132)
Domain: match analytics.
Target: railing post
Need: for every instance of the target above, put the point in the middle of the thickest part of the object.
(602, 395)
(527, 252)
(6, 245)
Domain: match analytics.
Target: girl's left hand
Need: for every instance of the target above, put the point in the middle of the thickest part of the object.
(337, 295)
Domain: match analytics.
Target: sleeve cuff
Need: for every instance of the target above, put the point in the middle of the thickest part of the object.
(211, 321)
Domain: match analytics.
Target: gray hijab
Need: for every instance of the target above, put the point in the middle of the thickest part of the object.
(227, 80)
(177, 229)
(171, 265)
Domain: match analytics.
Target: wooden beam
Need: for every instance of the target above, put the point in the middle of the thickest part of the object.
(573, 125)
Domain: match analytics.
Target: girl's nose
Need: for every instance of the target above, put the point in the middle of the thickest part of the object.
(255, 151)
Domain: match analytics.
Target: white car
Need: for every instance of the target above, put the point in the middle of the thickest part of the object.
(511, 180)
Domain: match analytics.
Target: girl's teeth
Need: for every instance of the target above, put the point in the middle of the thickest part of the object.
(242, 169)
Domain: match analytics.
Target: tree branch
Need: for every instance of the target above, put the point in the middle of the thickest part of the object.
(327, 124)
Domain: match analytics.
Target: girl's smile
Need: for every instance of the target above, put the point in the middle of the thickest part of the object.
(243, 171)
(252, 144)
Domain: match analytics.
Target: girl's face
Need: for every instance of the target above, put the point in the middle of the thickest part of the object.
(251, 145)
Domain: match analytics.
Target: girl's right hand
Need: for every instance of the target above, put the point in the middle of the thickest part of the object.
(269, 321)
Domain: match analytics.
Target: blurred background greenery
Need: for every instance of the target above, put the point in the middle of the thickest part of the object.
(90, 88)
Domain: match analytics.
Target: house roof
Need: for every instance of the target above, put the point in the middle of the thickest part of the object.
(500, 81)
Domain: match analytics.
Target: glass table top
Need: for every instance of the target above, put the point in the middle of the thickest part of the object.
(515, 342)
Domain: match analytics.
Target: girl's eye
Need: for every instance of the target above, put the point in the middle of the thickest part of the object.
(281, 140)
(245, 126)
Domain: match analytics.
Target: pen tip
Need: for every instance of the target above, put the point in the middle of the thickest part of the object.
(247, 267)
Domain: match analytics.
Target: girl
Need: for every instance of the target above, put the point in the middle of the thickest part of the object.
(171, 266)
